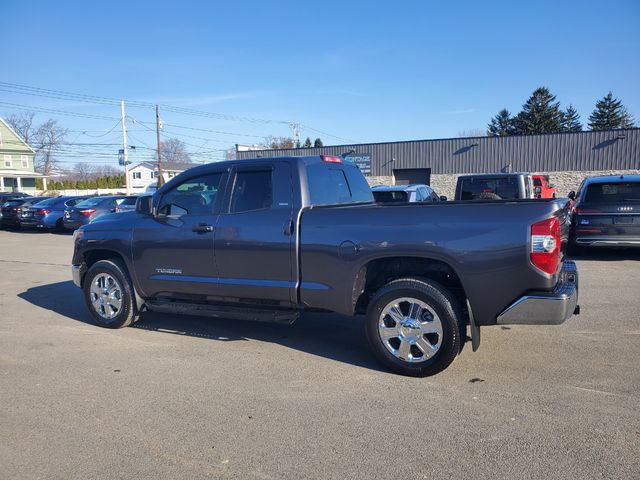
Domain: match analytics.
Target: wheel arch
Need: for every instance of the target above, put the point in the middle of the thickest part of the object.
(377, 272)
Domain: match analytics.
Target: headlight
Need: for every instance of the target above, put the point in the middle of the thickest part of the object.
(77, 235)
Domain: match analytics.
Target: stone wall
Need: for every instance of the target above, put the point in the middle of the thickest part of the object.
(564, 181)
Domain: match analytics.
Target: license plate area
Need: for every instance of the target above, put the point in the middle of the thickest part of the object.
(623, 220)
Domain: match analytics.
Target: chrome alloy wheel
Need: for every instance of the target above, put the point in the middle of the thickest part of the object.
(106, 296)
(410, 329)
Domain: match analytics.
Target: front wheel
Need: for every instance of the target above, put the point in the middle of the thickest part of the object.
(414, 327)
(109, 295)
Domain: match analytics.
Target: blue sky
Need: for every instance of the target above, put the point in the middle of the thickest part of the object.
(361, 71)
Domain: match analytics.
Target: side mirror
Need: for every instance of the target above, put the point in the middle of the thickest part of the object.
(443, 198)
(552, 185)
(144, 204)
(572, 195)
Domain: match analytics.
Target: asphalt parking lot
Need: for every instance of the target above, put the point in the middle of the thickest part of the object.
(188, 397)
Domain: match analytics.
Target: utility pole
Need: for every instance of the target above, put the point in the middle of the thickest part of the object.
(295, 127)
(125, 151)
(160, 177)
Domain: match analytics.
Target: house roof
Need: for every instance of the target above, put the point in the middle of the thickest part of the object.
(173, 167)
(16, 134)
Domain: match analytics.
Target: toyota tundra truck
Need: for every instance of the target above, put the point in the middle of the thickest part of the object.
(270, 238)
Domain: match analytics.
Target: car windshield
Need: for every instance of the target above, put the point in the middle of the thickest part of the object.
(49, 201)
(487, 188)
(391, 196)
(128, 201)
(613, 192)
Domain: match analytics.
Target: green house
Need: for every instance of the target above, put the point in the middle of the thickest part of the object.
(17, 173)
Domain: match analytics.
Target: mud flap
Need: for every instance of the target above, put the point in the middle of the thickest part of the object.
(475, 329)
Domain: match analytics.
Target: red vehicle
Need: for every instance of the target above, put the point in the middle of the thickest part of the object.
(542, 187)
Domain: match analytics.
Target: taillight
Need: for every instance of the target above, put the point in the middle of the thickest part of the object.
(87, 213)
(331, 159)
(545, 245)
(42, 211)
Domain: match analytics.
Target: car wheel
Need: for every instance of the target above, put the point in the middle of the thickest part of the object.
(59, 225)
(414, 327)
(109, 296)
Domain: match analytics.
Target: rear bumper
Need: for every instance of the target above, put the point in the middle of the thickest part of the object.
(607, 241)
(546, 308)
(72, 224)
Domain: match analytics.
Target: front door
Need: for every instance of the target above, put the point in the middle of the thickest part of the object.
(173, 253)
(254, 235)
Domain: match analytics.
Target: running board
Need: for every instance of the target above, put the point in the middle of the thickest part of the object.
(224, 311)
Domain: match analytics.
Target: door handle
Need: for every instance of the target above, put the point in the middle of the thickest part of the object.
(202, 228)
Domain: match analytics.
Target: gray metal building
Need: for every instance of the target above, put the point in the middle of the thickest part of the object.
(581, 151)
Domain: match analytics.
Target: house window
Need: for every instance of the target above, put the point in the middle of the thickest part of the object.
(25, 161)
(137, 175)
(7, 161)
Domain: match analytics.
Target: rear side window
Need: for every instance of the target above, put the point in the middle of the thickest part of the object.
(334, 185)
(613, 192)
(252, 190)
(397, 196)
(487, 188)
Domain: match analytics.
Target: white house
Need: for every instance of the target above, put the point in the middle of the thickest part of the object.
(145, 174)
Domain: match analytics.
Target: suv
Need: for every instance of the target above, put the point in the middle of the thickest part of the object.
(607, 212)
(495, 186)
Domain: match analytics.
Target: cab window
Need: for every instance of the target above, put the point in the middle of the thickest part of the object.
(194, 196)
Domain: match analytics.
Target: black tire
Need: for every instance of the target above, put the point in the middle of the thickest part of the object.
(127, 313)
(59, 225)
(441, 301)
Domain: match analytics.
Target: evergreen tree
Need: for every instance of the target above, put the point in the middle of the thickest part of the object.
(318, 143)
(610, 113)
(571, 120)
(307, 143)
(502, 124)
(540, 114)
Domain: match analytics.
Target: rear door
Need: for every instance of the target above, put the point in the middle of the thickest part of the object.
(254, 235)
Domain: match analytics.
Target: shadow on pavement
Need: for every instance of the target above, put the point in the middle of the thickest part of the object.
(326, 335)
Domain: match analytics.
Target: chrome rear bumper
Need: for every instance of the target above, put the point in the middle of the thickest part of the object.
(546, 308)
(602, 241)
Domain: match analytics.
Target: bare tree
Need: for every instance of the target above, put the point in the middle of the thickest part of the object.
(22, 123)
(174, 151)
(230, 154)
(84, 171)
(106, 171)
(278, 142)
(47, 138)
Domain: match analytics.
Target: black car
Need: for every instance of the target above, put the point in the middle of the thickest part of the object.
(12, 209)
(90, 209)
(607, 212)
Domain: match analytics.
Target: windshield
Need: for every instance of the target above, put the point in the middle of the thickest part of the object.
(487, 188)
(49, 201)
(613, 192)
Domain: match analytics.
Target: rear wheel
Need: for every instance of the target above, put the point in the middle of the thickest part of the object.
(414, 327)
(109, 295)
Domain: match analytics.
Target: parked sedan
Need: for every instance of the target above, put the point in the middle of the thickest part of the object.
(12, 210)
(48, 214)
(405, 193)
(607, 212)
(88, 210)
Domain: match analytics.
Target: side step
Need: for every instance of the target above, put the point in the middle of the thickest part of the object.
(224, 311)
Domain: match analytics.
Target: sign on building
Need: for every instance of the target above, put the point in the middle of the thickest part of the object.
(362, 160)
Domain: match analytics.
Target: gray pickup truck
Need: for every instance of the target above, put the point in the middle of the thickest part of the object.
(267, 239)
